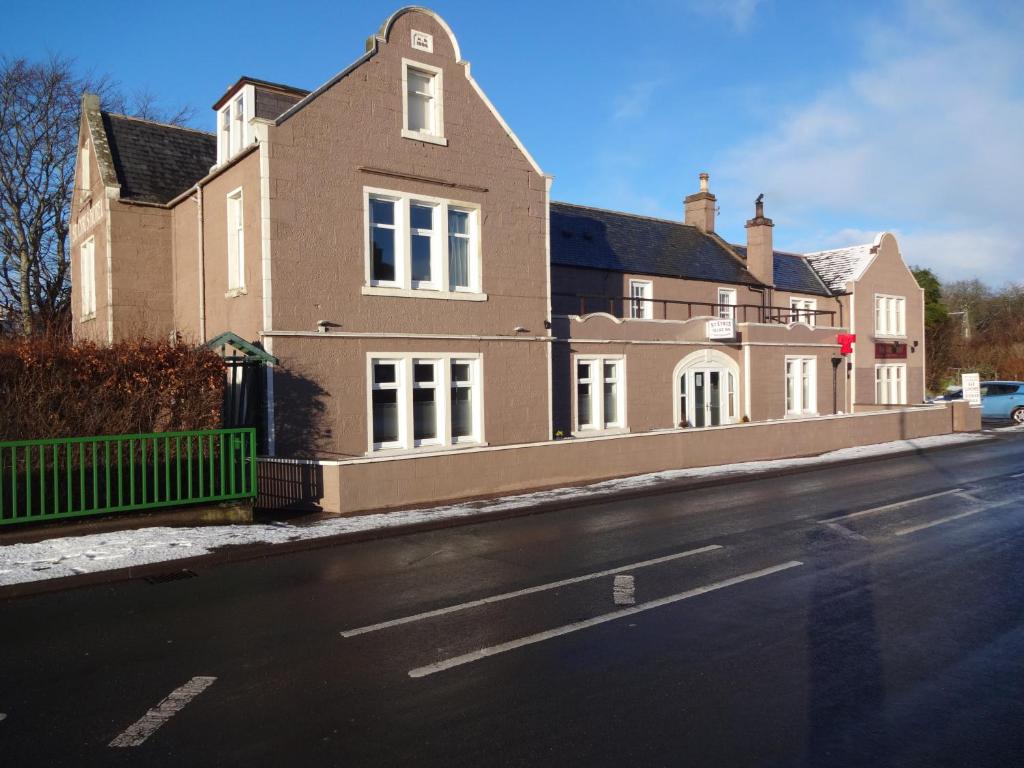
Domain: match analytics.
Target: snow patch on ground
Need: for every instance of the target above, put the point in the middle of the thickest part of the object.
(75, 555)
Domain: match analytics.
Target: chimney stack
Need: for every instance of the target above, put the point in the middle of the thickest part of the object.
(760, 253)
(699, 207)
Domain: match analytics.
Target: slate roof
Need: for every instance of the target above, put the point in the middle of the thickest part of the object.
(155, 162)
(623, 242)
(793, 273)
(841, 265)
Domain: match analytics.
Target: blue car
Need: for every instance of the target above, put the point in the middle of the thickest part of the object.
(999, 400)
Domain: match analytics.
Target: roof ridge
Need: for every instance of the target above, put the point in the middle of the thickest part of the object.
(211, 134)
(627, 213)
(837, 250)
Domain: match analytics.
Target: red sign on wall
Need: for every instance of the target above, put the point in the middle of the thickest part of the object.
(890, 350)
(845, 341)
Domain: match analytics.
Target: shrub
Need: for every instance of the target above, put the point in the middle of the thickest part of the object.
(51, 388)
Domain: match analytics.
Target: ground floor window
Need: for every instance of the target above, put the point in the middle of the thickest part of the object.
(891, 384)
(801, 386)
(424, 400)
(600, 393)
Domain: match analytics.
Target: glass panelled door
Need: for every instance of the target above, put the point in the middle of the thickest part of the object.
(707, 397)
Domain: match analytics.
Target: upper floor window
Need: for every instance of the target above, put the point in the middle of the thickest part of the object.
(640, 294)
(233, 133)
(727, 303)
(85, 170)
(87, 273)
(804, 310)
(420, 243)
(236, 241)
(423, 106)
(890, 315)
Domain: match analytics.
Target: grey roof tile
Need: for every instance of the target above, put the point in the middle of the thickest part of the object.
(793, 273)
(841, 265)
(623, 242)
(155, 162)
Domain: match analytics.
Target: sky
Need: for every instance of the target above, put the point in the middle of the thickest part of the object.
(851, 118)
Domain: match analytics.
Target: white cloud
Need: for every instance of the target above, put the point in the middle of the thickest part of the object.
(924, 138)
(636, 101)
(739, 13)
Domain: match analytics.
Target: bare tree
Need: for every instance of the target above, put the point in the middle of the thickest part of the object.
(39, 118)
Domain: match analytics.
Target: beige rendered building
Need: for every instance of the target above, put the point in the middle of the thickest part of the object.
(389, 240)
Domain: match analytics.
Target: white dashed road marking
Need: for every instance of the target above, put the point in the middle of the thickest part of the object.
(888, 507)
(147, 725)
(527, 591)
(951, 518)
(494, 650)
(624, 590)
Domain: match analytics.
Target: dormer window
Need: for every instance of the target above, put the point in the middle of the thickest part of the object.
(232, 128)
(423, 103)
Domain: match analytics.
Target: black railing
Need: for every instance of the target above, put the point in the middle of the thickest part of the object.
(627, 307)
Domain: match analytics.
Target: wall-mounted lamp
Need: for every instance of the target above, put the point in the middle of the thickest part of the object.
(520, 329)
(324, 326)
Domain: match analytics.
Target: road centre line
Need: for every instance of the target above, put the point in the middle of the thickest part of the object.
(527, 591)
(951, 518)
(888, 507)
(494, 650)
(148, 724)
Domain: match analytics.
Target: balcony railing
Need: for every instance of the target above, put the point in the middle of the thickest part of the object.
(627, 307)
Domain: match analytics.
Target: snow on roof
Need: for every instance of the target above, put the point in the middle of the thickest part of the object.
(842, 265)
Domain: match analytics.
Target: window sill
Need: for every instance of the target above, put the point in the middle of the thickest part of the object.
(802, 415)
(600, 432)
(427, 137)
(424, 449)
(234, 293)
(422, 293)
(87, 318)
(890, 336)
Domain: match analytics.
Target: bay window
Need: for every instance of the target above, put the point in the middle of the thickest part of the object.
(423, 246)
(801, 386)
(424, 400)
(600, 394)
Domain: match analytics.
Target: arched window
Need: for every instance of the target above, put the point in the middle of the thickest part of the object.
(705, 387)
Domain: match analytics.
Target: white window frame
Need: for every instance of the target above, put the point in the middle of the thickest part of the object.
(85, 173)
(891, 383)
(706, 361)
(87, 273)
(436, 134)
(890, 315)
(440, 284)
(597, 423)
(805, 386)
(641, 295)
(726, 296)
(803, 310)
(233, 130)
(235, 226)
(442, 385)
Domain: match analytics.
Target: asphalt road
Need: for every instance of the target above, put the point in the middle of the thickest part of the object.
(807, 620)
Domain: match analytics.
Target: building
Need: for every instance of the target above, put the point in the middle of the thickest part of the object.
(389, 240)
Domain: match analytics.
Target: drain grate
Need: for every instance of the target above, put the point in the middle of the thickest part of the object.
(163, 578)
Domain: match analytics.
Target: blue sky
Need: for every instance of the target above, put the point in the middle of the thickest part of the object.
(850, 117)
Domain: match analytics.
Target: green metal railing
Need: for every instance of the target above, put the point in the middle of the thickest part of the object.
(76, 476)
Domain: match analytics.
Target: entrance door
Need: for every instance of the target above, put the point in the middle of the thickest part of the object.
(710, 404)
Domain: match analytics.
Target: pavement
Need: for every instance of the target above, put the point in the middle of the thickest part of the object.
(864, 614)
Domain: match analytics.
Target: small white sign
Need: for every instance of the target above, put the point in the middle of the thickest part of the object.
(421, 41)
(971, 383)
(721, 328)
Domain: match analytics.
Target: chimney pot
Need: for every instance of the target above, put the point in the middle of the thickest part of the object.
(704, 182)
